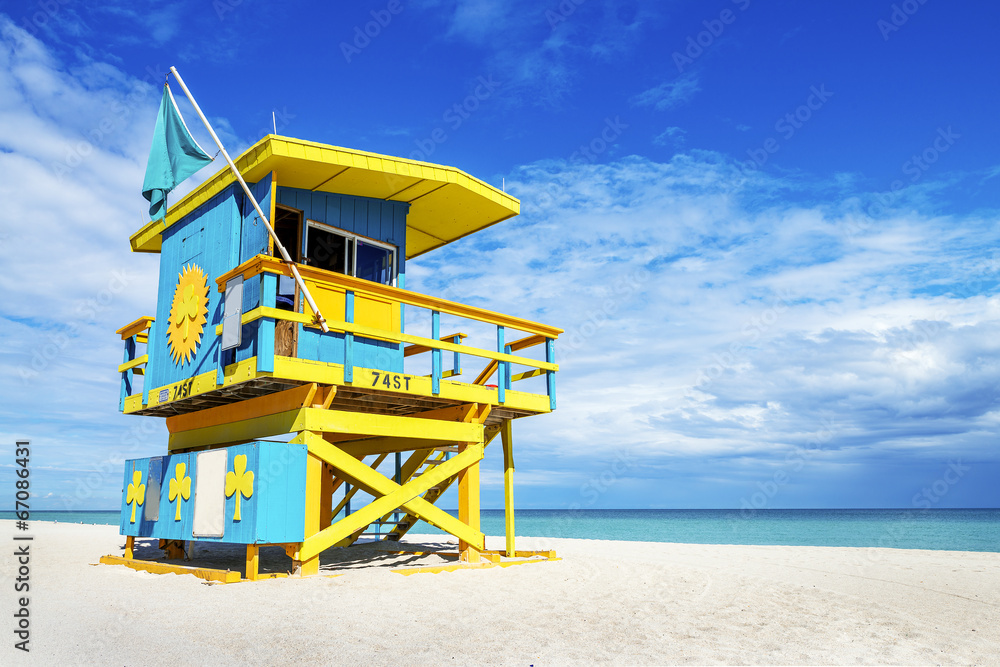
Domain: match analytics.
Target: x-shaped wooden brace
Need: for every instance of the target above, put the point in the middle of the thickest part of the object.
(389, 495)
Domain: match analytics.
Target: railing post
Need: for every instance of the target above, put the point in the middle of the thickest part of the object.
(456, 368)
(435, 353)
(150, 334)
(349, 337)
(126, 389)
(399, 480)
(265, 326)
(508, 349)
(501, 369)
(550, 376)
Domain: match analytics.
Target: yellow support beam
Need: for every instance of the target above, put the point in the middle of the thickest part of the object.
(354, 489)
(133, 328)
(519, 344)
(392, 495)
(535, 372)
(390, 426)
(218, 576)
(328, 421)
(138, 361)
(507, 438)
(242, 431)
(468, 506)
(411, 350)
(283, 401)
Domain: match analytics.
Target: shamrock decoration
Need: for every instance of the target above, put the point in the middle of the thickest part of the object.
(239, 478)
(135, 495)
(180, 488)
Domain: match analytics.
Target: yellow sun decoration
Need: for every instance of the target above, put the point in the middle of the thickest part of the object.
(188, 313)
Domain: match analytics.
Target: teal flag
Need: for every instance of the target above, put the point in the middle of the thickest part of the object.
(175, 155)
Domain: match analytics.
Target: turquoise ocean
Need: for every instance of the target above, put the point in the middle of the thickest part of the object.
(948, 529)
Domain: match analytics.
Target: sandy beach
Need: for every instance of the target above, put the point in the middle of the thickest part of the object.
(604, 602)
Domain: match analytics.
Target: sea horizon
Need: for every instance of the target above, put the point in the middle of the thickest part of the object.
(950, 529)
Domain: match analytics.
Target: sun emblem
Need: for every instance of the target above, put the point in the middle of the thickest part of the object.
(188, 314)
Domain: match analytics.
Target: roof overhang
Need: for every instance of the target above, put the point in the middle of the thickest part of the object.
(445, 203)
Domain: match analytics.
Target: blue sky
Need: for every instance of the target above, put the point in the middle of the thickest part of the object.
(769, 229)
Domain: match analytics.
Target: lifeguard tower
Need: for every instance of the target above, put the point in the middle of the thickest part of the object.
(274, 425)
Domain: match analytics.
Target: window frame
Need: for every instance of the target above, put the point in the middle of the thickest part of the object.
(352, 240)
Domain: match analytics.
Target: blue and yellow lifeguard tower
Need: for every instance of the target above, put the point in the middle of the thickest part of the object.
(275, 424)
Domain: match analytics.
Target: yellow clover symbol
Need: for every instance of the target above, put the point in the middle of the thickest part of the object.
(180, 488)
(239, 478)
(135, 495)
(188, 313)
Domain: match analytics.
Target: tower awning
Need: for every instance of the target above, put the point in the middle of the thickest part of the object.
(445, 203)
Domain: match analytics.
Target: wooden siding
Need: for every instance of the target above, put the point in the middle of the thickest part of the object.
(273, 514)
(209, 238)
(378, 219)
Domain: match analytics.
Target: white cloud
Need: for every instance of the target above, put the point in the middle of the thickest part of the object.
(708, 316)
(669, 94)
(700, 323)
(73, 143)
(672, 136)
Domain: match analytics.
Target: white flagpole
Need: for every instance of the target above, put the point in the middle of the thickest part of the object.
(270, 230)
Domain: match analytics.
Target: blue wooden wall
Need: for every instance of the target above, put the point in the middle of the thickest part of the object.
(375, 218)
(217, 236)
(225, 232)
(273, 514)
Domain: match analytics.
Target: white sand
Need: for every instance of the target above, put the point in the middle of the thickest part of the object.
(620, 602)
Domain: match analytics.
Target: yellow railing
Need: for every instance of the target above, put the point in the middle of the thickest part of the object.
(356, 290)
(133, 334)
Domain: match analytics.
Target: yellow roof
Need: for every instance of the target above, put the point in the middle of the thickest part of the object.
(445, 203)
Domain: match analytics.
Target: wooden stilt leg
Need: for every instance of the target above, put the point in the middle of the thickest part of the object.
(315, 474)
(326, 497)
(129, 546)
(253, 562)
(304, 568)
(468, 507)
(172, 549)
(507, 438)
